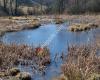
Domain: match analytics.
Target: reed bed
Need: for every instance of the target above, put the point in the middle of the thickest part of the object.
(13, 55)
(82, 61)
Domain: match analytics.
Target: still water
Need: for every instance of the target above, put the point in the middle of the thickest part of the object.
(55, 38)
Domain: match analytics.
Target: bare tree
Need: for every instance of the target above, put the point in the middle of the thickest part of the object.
(59, 6)
(41, 4)
(5, 4)
(11, 7)
(16, 7)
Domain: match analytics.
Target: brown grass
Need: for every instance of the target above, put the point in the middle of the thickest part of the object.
(82, 61)
(82, 27)
(58, 20)
(12, 55)
(17, 23)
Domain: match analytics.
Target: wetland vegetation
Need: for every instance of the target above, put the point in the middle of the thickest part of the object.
(49, 40)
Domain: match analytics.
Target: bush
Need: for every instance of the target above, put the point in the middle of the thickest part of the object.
(81, 62)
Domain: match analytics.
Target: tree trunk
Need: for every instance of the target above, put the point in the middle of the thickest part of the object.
(16, 7)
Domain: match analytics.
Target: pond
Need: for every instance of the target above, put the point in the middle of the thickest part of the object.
(56, 37)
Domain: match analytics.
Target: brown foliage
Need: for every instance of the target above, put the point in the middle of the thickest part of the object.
(12, 55)
(81, 62)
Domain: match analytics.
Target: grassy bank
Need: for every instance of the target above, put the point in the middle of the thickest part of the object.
(82, 27)
(11, 24)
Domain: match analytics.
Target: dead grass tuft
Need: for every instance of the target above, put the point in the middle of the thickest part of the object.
(82, 61)
(12, 55)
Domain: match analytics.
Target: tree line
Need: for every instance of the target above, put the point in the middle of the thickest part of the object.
(75, 6)
(56, 7)
(9, 6)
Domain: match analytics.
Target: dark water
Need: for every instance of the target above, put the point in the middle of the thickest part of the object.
(56, 41)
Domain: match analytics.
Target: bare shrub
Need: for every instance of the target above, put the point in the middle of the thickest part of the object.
(12, 55)
(81, 62)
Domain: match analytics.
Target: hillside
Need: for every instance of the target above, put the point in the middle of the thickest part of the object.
(24, 7)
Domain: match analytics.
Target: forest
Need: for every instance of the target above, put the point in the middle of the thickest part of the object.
(25, 7)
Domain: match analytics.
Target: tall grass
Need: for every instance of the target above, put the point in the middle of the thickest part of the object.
(81, 62)
(12, 55)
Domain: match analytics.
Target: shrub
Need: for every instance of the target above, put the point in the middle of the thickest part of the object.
(81, 62)
(12, 55)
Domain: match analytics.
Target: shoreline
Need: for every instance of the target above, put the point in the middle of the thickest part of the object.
(13, 24)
